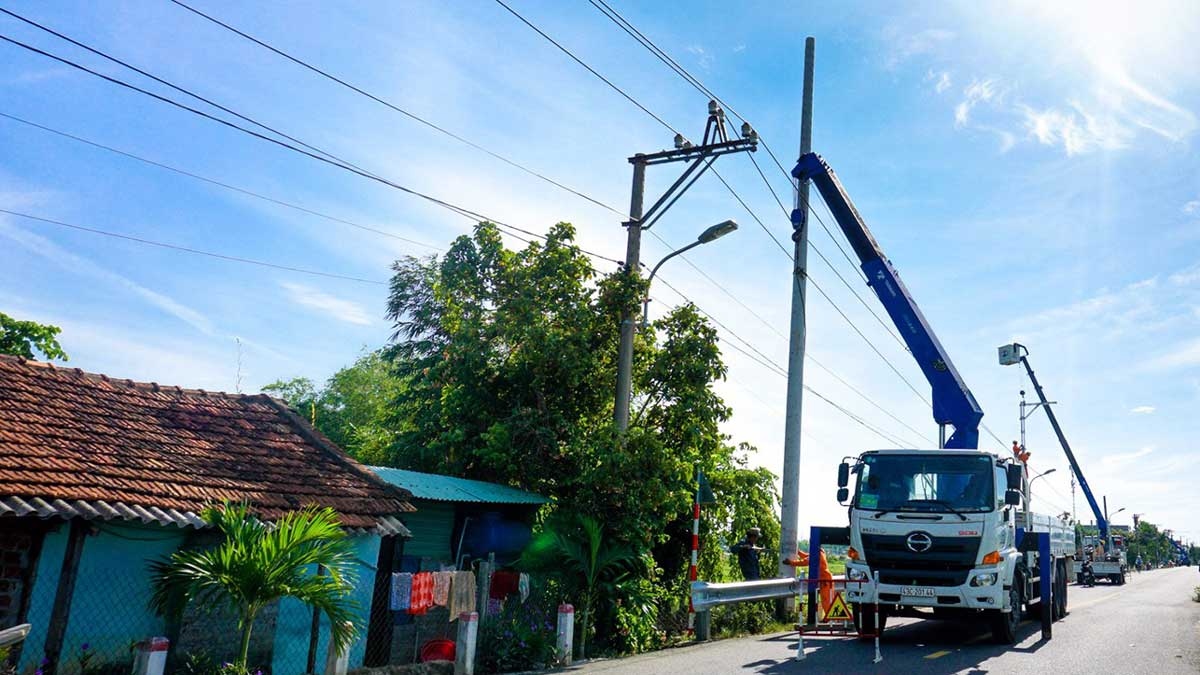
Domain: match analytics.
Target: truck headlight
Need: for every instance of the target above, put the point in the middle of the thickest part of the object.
(984, 579)
(855, 574)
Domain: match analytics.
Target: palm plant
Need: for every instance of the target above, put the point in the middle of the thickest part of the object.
(578, 550)
(258, 563)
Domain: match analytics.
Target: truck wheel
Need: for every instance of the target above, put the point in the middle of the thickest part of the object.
(1005, 625)
(1059, 603)
(864, 620)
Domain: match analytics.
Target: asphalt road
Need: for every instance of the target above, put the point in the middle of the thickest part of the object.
(1151, 625)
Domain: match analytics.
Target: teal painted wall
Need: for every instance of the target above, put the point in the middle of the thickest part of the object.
(431, 525)
(109, 609)
(295, 619)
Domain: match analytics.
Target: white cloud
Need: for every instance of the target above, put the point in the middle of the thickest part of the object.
(1184, 355)
(1143, 410)
(1126, 457)
(908, 45)
(1185, 277)
(80, 265)
(1192, 207)
(739, 48)
(338, 308)
(987, 91)
(1077, 130)
(941, 79)
(703, 57)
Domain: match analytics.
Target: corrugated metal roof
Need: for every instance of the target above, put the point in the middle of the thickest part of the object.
(435, 487)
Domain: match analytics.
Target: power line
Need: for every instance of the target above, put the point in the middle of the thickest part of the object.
(194, 251)
(396, 108)
(176, 87)
(674, 65)
(591, 70)
(762, 359)
(217, 183)
(466, 213)
(687, 76)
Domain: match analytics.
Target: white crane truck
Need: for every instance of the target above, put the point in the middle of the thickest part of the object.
(940, 530)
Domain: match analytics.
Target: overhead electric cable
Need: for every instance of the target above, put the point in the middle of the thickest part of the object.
(467, 213)
(194, 251)
(211, 181)
(413, 116)
(730, 188)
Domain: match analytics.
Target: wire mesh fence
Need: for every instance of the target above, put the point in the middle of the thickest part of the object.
(86, 589)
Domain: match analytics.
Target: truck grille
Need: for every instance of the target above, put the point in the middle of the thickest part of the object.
(946, 563)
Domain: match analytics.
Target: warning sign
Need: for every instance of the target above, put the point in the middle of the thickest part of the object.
(838, 610)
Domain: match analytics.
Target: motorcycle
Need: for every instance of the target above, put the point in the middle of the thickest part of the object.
(1086, 576)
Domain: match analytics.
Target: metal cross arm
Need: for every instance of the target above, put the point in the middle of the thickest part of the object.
(701, 156)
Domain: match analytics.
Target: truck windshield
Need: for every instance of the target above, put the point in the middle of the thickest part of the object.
(925, 482)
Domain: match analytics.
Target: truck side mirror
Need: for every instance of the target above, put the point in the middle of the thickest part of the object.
(843, 494)
(1015, 473)
(1012, 498)
(843, 476)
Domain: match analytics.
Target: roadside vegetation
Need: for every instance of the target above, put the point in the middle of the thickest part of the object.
(502, 367)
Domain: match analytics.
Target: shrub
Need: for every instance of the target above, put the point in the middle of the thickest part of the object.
(521, 638)
(636, 617)
(1196, 594)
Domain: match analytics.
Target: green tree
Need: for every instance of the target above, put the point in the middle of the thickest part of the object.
(256, 564)
(502, 367)
(22, 338)
(353, 408)
(577, 551)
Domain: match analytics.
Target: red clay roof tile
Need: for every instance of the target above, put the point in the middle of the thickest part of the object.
(70, 435)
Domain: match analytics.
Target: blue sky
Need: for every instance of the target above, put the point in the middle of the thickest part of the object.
(1032, 173)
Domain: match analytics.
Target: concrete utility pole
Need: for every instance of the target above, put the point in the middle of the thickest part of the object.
(789, 536)
(716, 142)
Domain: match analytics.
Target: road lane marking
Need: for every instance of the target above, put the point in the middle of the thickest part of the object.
(938, 654)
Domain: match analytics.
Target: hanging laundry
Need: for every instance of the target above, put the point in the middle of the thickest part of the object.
(401, 591)
(504, 584)
(422, 593)
(523, 587)
(462, 593)
(441, 588)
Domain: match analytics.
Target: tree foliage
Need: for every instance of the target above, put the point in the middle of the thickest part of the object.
(502, 367)
(23, 338)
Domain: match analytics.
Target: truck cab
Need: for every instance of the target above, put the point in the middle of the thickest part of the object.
(939, 531)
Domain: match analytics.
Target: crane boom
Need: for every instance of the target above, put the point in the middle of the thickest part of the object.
(1101, 521)
(953, 402)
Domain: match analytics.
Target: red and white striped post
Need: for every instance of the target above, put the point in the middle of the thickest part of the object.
(695, 556)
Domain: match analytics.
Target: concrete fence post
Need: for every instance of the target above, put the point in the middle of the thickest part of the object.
(336, 662)
(151, 656)
(565, 646)
(464, 650)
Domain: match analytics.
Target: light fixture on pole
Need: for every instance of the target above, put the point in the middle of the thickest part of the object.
(711, 234)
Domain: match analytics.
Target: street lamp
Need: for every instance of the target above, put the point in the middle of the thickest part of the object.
(711, 234)
(1029, 487)
(1047, 472)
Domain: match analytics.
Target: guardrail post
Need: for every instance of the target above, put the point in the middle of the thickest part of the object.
(703, 625)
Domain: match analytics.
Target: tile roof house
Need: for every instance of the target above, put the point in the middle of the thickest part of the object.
(100, 475)
(74, 444)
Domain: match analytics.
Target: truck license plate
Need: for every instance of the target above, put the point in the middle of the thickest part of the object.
(918, 591)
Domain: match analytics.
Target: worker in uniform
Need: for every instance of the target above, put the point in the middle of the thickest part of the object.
(748, 551)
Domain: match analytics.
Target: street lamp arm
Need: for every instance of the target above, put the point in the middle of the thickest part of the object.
(646, 300)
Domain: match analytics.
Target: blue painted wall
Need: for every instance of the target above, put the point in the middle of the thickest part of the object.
(295, 619)
(110, 607)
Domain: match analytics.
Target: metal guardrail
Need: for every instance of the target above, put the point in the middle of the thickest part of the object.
(11, 636)
(706, 595)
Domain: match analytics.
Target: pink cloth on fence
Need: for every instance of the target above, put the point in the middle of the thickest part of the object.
(441, 588)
